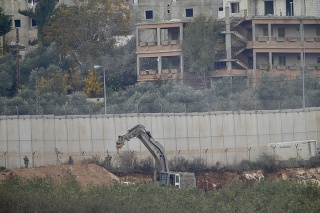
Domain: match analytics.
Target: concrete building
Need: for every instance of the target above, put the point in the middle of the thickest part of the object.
(23, 26)
(159, 33)
(276, 36)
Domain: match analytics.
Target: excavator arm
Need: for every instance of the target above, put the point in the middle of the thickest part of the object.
(154, 147)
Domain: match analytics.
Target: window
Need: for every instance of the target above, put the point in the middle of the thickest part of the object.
(189, 12)
(33, 23)
(318, 31)
(149, 14)
(282, 60)
(318, 60)
(17, 23)
(265, 31)
(268, 7)
(235, 7)
(281, 32)
(220, 8)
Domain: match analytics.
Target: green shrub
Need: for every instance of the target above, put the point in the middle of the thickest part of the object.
(44, 195)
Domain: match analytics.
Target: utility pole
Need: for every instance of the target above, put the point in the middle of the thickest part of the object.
(17, 59)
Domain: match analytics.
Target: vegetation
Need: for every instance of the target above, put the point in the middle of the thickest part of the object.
(5, 23)
(200, 56)
(41, 14)
(42, 195)
(87, 29)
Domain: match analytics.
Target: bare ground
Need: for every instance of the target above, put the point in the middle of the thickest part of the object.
(92, 174)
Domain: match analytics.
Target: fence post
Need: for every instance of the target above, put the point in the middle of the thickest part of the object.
(226, 151)
(89, 110)
(33, 158)
(17, 111)
(160, 108)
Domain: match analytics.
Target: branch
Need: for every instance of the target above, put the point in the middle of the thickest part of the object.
(29, 13)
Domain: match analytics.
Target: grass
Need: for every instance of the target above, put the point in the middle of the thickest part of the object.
(43, 195)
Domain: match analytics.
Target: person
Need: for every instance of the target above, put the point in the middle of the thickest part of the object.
(70, 161)
(26, 161)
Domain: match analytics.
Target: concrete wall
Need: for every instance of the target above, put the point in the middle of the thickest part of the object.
(220, 136)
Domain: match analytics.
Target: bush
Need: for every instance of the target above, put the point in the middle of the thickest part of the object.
(267, 163)
(43, 195)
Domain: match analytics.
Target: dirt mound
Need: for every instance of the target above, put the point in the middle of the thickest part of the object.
(85, 174)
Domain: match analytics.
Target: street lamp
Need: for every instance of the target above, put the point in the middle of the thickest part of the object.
(104, 86)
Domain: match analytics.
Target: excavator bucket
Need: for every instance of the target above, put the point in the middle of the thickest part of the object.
(120, 142)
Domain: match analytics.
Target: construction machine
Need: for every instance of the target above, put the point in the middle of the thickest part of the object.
(162, 175)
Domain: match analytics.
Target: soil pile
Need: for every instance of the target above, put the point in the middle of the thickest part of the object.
(85, 174)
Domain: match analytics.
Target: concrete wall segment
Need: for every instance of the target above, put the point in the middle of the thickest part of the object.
(211, 136)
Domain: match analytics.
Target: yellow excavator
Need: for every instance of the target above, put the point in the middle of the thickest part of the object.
(162, 175)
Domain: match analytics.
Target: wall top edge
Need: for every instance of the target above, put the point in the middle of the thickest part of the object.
(313, 109)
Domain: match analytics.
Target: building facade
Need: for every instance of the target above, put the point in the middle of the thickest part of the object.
(159, 30)
(276, 36)
(23, 28)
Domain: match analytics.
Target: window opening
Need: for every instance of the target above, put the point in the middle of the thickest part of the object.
(289, 8)
(268, 7)
(281, 32)
(265, 31)
(17, 23)
(149, 14)
(235, 7)
(33, 23)
(282, 60)
(189, 12)
(318, 31)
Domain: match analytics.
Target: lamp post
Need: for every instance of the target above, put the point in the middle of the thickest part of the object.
(104, 86)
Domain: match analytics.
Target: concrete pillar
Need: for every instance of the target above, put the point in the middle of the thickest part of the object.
(181, 57)
(138, 66)
(181, 32)
(159, 64)
(181, 64)
(301, 30)
(269, 32)
(253, 32)
(158, 37)
(228, 38)
(270, 60)
(137, 36)
(302, 61)
(254, 59)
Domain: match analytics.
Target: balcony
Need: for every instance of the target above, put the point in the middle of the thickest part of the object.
(148, 72)
(263, 38)
(281, 39)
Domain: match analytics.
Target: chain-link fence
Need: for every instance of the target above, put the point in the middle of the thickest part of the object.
(125, 108)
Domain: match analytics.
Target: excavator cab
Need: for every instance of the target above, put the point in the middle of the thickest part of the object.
(170, 179)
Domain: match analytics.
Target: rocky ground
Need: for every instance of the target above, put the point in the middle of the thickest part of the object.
(88, 174)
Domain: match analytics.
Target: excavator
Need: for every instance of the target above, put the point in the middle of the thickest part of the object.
(162, 175)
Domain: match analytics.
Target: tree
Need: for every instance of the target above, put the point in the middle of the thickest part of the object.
(93, 83)
(87, 29)
(201, 36)
(5, 27)
(120, 65)
(5, 23)
(41, 14)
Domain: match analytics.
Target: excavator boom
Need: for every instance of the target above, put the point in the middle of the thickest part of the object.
(155, 148)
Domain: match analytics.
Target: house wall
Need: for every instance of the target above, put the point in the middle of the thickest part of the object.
(177, 9)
